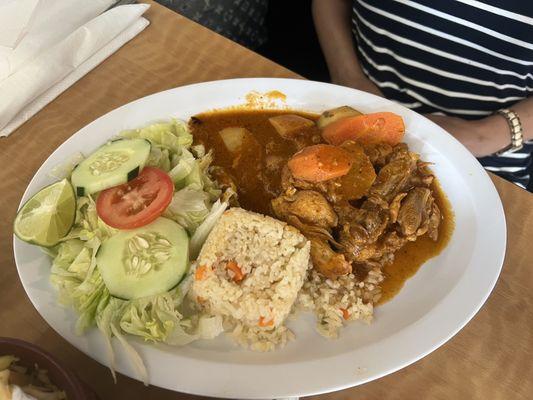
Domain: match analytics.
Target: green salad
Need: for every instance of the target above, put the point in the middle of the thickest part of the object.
(122, 226)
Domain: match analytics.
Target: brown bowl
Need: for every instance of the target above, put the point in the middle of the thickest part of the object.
(60, 376)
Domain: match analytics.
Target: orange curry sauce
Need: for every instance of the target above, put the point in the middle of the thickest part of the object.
(256, 187)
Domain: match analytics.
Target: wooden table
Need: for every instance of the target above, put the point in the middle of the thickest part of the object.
(492, 358)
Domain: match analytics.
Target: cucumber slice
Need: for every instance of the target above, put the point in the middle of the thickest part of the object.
(112, 164)
(144, 261)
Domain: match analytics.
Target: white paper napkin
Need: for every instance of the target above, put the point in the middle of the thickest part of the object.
(36, 105)
(38, 82)
(51, 21)
(15, 16)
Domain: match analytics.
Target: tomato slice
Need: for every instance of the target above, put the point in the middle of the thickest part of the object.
(138, 202)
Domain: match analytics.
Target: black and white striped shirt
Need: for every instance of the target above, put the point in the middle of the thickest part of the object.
(464, 58)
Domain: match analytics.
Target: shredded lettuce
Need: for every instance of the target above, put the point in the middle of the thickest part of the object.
(200, 235)
(157, 319)
(79, 283)
(64, 169)
(191, 172)
(74, 270)
(172, 135)
(173, 152)
(161, 318)
(169, 141)
(88, 225)
(209, 327)
(153, 318)
(159, 158)
(108, 313)
(134, 357)
(183, 166)
(188, 208)
(208, 185)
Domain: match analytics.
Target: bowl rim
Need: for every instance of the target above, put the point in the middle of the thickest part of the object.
(75, 388)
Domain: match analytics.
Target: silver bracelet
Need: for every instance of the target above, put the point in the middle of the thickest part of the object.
(515, 127)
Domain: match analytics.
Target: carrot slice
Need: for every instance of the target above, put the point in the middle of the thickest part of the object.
(368, 128)
(200, 273)
(263, 322)
(320, 162)
(237, 272)
(345, 313)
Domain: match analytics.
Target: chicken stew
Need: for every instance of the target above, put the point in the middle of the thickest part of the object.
(361, 203)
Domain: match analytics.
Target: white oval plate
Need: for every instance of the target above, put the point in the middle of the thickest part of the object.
(432, 307)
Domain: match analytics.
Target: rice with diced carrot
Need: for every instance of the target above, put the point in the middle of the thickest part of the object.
(254, 269)
(250, 271)
(336, 301)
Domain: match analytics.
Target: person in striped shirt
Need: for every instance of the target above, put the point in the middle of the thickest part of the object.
(457, 61)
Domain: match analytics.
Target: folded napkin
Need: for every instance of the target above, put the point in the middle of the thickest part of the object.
(36, 25)
(15, 16)
(41, 79)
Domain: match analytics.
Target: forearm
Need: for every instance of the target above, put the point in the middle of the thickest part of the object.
(332, 23)
(494, 131)
(490, 134)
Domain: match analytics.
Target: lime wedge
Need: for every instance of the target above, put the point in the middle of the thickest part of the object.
(48, 216)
